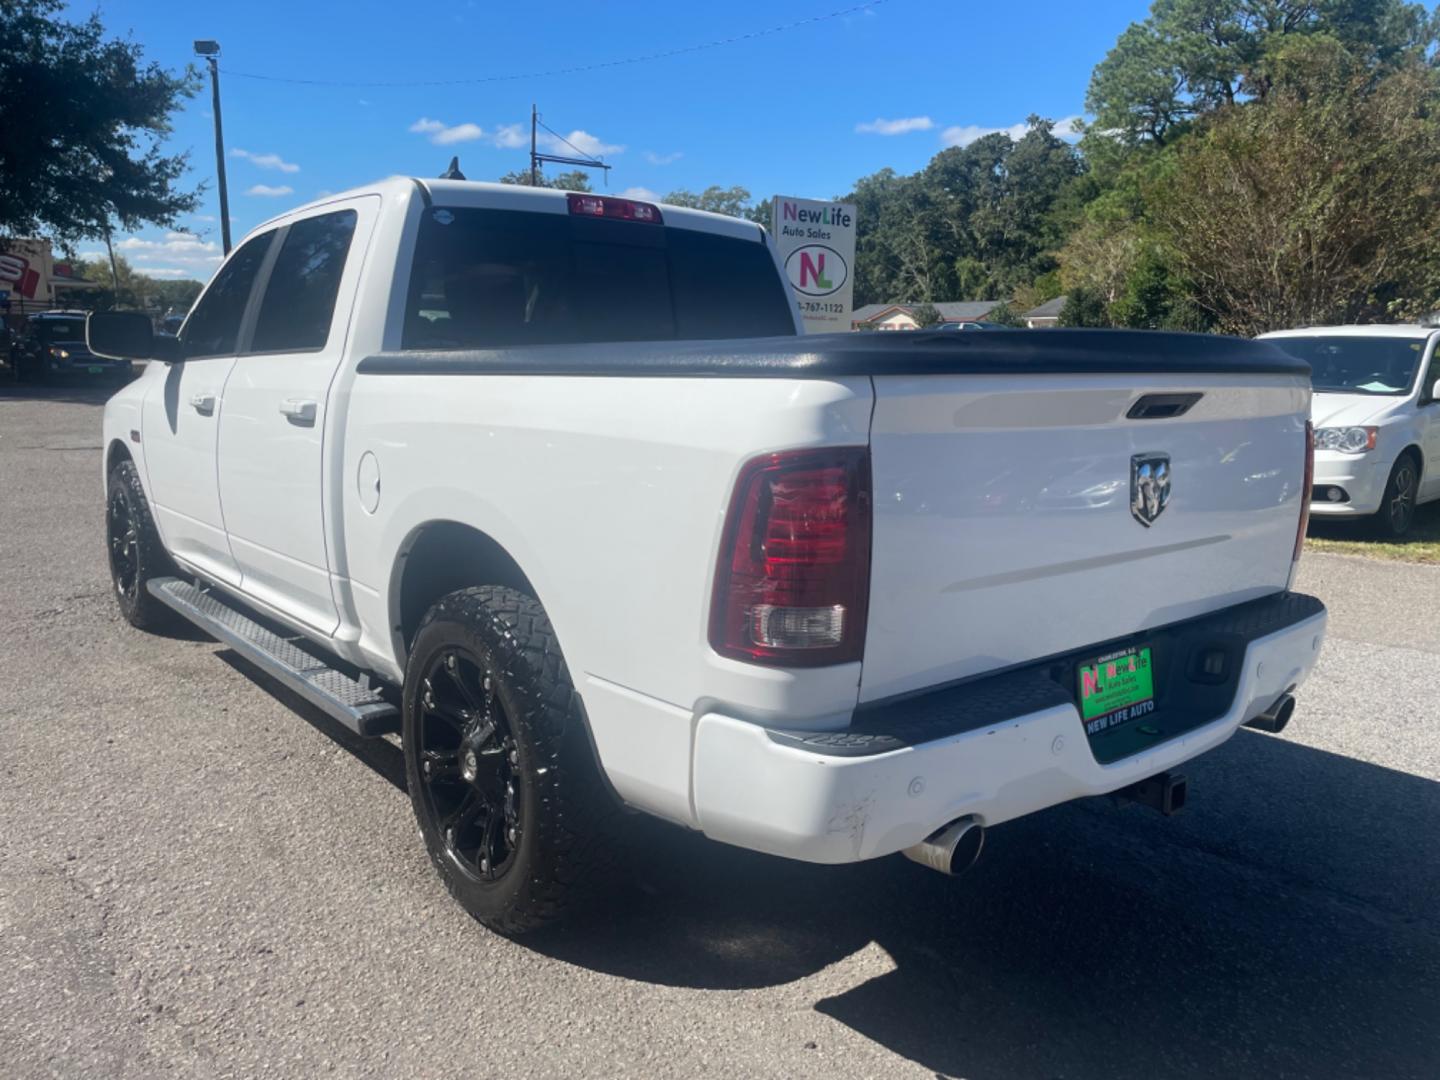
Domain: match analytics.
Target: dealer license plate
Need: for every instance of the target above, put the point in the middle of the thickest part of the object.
(1116, 689)
(96, 370)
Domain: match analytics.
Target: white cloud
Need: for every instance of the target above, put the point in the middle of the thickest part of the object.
(458, 133)
(442, 134)
(644, 194)
(265, 161)
(579, 140)
(514, 137)
(268, 191)
(965, 134)
(180, 254)
(510, 137)
(902, 126)
(204, 217)
(662, 159)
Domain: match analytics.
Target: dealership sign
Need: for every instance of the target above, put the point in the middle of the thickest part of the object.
(816, 241)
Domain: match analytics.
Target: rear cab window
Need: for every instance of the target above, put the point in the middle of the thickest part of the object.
(497, 278)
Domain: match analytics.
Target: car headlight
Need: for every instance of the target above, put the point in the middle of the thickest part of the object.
(60, 354)
(1348, 440)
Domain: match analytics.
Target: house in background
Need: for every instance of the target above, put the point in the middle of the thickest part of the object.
(901, 316)
(1047, 314)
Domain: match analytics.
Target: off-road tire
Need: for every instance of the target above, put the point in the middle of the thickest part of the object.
(127, 508)
(565, 810)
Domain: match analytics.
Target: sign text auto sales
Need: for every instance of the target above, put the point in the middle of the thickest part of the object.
(816, 243)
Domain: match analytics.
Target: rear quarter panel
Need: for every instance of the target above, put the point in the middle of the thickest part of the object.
(610, 493)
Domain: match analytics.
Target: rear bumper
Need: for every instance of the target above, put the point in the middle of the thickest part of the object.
(826, 798)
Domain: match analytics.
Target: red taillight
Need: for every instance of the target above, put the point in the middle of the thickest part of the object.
(603, 206)
(1306, 489)
(793, 578)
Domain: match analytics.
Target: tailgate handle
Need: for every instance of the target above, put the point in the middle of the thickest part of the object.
(1162, 406)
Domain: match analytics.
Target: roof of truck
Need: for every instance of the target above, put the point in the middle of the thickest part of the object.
(462, 193)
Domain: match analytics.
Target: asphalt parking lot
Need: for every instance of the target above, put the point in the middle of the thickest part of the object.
(200, 879)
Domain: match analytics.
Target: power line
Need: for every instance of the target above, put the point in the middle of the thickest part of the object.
(644, 58)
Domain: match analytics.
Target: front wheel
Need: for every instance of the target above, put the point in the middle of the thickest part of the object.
(135, 552)
(1397, 506)
(504, 784)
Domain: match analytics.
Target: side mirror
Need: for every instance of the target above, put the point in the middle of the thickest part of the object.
(128, 335)
(1435, 390)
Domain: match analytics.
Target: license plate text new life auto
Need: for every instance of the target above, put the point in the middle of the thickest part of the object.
(1116, 689)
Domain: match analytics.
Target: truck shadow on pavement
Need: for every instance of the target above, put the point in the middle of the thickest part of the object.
(1284, 924)
(68, 393)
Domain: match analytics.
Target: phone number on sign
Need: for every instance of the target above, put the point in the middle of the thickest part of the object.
(814, 307)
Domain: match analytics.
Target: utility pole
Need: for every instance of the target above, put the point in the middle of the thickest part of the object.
(585, 162)
(114, 271)
(210, 50)
(534, 157)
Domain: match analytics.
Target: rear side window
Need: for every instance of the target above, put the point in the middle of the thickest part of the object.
(214, 326)
(299, 302)
(494, 278)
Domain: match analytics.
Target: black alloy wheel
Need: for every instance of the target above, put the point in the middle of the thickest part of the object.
(122, 535)
(469, 766)
(506, 788)
(134, 551)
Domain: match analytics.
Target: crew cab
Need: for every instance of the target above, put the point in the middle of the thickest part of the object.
(1376, 412)
(553, 484)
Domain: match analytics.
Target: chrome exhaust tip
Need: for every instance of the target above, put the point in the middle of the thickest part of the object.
(1276, 717)
(952, 849)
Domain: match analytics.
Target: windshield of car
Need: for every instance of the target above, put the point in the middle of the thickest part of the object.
(51, 330)
(1357, 365)
(491, 278)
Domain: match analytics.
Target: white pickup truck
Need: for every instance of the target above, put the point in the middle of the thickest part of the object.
(552, 485)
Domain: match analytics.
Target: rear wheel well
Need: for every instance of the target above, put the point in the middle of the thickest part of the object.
(445, 556)
(115, 453)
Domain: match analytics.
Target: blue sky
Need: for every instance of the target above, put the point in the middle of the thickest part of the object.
(803, 112)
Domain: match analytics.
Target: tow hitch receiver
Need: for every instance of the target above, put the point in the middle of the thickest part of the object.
(1164, 792)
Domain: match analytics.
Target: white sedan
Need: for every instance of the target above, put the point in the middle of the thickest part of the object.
(1376, 411)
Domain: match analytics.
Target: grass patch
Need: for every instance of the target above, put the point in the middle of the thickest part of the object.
(1422, 545)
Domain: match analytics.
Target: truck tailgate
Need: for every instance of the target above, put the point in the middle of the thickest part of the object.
(1003, 523)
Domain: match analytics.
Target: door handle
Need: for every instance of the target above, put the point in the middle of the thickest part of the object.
(204, 404)
(297, 411)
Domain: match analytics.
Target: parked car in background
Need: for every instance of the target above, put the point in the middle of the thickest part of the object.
(969, 324)
(52, 345)
(1376, 411)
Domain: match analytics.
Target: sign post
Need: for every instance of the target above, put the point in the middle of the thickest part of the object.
(816, 242)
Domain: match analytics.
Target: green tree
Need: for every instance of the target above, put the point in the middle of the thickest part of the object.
(1084, 307)
(575, 180)
(734, 201)
(1191, 57)
(82, 119)
(1319, 205)
(137, 290)
(1003, 314)
(926, 316)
